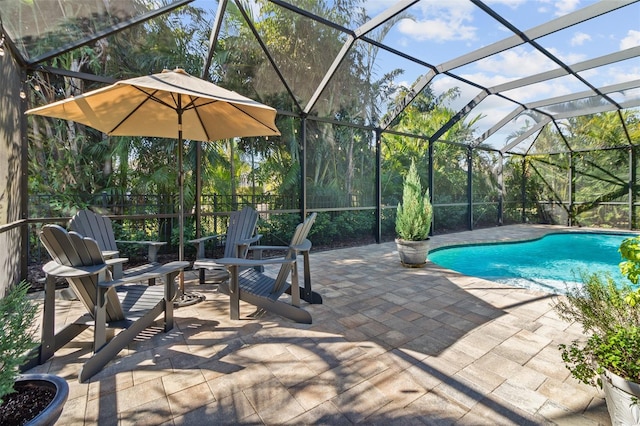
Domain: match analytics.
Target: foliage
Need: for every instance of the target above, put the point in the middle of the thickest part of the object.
(341, 227)
(414, 214)
(613, 324)
(328, 229)
(617, 351)
(78, 161)
(278, 229)
(630, 268)
(17, 314)
(339, 158)
(575, 187)
(599, 305)
(630, 250)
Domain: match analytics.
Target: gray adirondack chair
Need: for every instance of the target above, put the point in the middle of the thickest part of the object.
(263, 291)
(111, 304)
(98, 227)
(239, 236)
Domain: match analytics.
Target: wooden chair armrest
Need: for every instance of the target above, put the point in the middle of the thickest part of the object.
(303, 246)
(234, 261)
(141, 242)
(205, 239)
(269, 248)
(116, 261)
(250, 241)
(165, 269)
(152, 254)
(109, 254)
(64, 271)
(116, 266)
(199, 243)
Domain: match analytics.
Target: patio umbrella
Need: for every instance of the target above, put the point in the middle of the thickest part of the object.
(169, 104)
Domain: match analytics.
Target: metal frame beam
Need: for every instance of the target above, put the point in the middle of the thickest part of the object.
(459, 115)
(536, 128)
(107, 32)
(213, 38)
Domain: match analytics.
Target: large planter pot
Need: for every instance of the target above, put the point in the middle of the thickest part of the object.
(413, 254)
(52, 412)
(623, 399)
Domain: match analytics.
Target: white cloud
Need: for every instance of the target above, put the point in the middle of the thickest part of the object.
(536, 92)
(568, 58)
(590, 73)
(486, 80)
(579, 38)
(436, 30)
(621, 75)
(546, 89)
(544, 6)
(566, 6)
(440, 21)
(513, 4)
(374, 7)
(631, 40)
(516, 62)
(521, 62)
(404, 42)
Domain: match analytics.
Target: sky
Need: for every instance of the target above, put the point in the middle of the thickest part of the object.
(439, 31)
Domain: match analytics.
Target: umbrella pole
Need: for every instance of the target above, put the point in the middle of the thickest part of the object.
(184, 299)
(180, 201)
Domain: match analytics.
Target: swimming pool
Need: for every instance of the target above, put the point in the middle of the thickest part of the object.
(549, 263)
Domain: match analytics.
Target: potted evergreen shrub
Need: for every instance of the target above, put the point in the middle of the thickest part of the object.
(31, 399)
(413, 221)
(609, 358)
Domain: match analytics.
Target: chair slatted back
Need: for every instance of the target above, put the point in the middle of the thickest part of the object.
(300, 234)
(242, 225)
(72, 249)
(98, 227)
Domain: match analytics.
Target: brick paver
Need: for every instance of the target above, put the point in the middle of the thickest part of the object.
(390, 345)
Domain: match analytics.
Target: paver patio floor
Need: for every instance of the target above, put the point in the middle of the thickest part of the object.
(389, 345)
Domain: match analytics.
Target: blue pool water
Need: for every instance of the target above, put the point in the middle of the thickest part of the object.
(550, 263)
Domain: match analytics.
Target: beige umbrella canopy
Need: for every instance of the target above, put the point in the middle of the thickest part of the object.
(171, 104)
(152, 106)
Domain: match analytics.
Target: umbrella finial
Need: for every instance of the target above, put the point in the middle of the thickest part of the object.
(178, 70)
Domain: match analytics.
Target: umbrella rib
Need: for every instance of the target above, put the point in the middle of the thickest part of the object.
(150, 96)
(197, 111)
(191, 105)
(252, 117)
(153, 97)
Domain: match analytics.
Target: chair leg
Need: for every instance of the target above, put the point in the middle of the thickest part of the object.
(169, 293)
(119, 342)
(234, 290)
(279, 308)
(306, 293)
(100, 315)
(295, 286)
(48, 319)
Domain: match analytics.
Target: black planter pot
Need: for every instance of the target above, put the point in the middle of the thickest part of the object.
(52, 413)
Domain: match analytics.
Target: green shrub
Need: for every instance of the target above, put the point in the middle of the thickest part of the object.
(616, 351)
(17, 314)
(610, 317)
(630, 268)
(413, 218)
